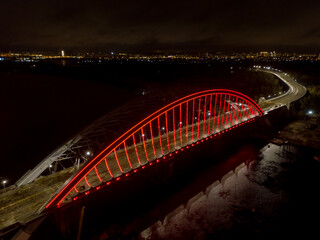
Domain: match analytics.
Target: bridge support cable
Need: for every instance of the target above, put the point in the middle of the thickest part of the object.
(217, 129)
(125, 148)
(174, 129)
(192, 117)
(227, 116)
(214, 113)
(231, 114)
(97, 173)
(144, 144)
(159, 130)
(199, 112)
(168, 142)
(135, 147)
(187, 122)
(85, 178)
(235, 110)
(107, 165)
(204, 115)
(154, 151)
(180, 124)
(224, 113)
(210, 114)
(117, 159)
(242, 110)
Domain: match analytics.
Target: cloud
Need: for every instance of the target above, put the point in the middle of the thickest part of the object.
(176, 24)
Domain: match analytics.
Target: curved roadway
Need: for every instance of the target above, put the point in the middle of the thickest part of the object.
(294, 93)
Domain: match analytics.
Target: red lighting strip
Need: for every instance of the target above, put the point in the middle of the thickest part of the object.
(95, 168)
(85, 178)
(174, 129)
(230, 114)
(246, 111)
(135, 147)
(125, 148)
(115, 154)
(204, 115)
(192, 117)
(108, 167)
(187, 116)
(249, 112)
(243, 110)
(225, 125)
(144, 144)
(219, 113)
(235, 111)
(241, 113)
(253, 112)
(167, 131)
(214, 114)
(199, 117)
(209, 115)
(154, 151)
(224, 106)
(74, 180)
(180, 123)
(238, 110)
(159, 129)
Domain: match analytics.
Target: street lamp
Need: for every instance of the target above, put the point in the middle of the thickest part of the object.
(310, 112)
(4, 183)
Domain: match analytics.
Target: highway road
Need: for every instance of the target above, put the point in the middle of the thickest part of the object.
(294, 93)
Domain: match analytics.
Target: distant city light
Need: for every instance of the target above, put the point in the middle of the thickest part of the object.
(88, 153)
(310, 112)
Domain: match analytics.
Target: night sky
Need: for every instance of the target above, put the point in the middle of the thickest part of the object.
(142, 26)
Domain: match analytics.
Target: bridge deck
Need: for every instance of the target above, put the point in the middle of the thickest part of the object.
(20, 204)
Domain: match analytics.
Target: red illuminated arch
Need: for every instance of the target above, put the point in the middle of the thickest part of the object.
(176, 125)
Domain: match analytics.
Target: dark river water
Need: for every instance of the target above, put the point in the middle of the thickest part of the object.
(265, 192)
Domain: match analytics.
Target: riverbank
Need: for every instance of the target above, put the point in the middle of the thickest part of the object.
(301, 132)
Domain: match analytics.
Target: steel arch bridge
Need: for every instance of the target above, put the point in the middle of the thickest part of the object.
(176, 126)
